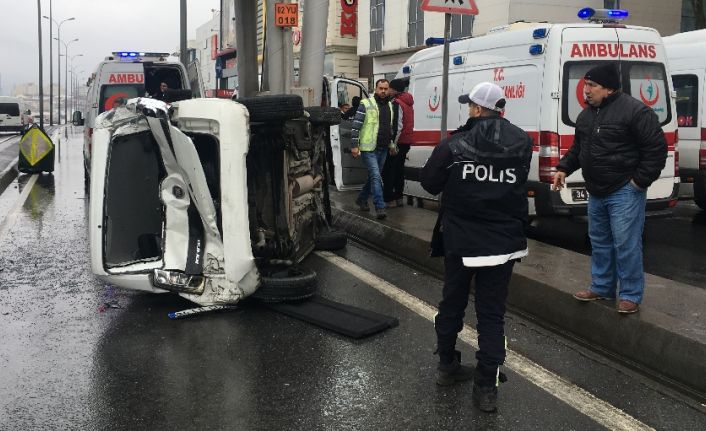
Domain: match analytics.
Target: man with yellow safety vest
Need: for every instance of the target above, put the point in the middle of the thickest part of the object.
(371, 139)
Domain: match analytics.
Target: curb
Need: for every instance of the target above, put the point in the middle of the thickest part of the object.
(652, 341)
(8, 175)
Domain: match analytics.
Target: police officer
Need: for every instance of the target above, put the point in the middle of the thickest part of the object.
(481, 170)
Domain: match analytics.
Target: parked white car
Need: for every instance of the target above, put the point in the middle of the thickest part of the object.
(213, 199)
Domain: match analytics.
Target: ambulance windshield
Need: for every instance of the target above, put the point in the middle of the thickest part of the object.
(644, 81)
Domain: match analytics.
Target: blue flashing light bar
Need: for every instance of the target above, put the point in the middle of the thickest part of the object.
(406, 69)
(432, 41)
(536, 49)
(458, 60)
(591, 14)
(540, 33)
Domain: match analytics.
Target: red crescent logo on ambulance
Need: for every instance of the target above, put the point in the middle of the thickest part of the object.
(652, 88)
(109, 102)
(434, 101)
(579, 93)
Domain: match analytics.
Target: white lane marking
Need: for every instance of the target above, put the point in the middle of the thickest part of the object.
(9, 220)
(598, 410)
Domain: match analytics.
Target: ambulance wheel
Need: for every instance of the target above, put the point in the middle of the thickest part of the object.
(410, 200)
(701, 204)
(331, 240)
(285, 283)
(266, 109)
(323, 115)
(420, 203)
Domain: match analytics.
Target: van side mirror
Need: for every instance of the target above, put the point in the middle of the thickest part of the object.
(77, 118)
(28, 112)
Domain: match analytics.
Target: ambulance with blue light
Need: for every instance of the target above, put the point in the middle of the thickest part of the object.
(687, 63)
(128, 74)
(540, 67)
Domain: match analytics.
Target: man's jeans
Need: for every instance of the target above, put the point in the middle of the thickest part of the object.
(374, 161)
(615, 224)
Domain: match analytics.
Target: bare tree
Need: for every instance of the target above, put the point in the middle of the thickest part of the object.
(699, 18)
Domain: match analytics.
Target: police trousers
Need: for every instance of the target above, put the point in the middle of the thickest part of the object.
(491, 287)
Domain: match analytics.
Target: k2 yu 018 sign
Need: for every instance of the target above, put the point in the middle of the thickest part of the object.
(349, 17)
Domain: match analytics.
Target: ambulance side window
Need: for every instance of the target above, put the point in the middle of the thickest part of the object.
(687, 87)
(573, 100)
(647, 82)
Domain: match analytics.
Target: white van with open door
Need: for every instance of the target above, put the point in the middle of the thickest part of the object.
(687, 63)
(125, 75)
(540, 67)
(348, 172)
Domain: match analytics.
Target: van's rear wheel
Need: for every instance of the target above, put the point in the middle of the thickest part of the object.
(285, 283)
(323, 115)
(279, 108)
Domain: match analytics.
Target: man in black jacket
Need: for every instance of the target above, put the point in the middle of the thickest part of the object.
(621, 149)
(482, 171)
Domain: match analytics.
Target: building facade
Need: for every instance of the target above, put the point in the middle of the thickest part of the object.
(390, 31)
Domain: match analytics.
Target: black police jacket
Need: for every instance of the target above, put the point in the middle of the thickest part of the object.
(482, 171)
(619, 141)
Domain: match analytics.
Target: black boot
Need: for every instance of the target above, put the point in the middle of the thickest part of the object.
(451, 370)
(485, 398)
(485, 388)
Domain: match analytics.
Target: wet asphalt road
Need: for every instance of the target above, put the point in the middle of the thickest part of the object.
(76, 354)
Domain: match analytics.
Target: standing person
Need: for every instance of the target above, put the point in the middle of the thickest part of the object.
(162, 93)
(371, 139)
(621, 149)
(403, 125)
(350, 113)
(480, 231)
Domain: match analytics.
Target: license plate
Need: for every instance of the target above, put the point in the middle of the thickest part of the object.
(579, 195)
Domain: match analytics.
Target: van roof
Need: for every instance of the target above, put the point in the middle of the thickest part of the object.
(686, 37)
(505, 36)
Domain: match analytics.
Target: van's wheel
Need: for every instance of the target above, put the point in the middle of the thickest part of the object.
(285, 283)
(331, 240)
(265, 109)
(323, 115)
(701, 204)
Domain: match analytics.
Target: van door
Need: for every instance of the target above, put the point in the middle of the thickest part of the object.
(193, 71)
(348, 172)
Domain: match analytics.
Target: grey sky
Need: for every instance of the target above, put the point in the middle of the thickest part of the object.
(102, 26)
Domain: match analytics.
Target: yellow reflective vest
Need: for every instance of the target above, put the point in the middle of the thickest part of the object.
(367, 140)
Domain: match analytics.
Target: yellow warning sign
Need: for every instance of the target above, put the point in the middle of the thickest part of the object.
(35, 145)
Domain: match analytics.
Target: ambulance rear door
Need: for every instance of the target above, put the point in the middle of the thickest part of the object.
(118, 82)
(581, 49)
(193, 71)
(645, 77)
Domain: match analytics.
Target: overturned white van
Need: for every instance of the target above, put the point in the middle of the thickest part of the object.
(540, 67)
(212, 199)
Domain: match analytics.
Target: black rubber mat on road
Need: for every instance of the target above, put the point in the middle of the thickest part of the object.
(344, 319)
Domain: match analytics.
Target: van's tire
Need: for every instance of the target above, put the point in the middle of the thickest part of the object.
(331, 240)
(285, 283)
(701, 204)
(266, 109)
(323, 115)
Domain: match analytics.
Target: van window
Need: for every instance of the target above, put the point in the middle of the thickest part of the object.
(112, 94)
(10, 109)
(644, 81)
(687, 87)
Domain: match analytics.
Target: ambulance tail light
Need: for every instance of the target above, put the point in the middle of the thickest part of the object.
(548, 155)
(676, 153)
(702, 151)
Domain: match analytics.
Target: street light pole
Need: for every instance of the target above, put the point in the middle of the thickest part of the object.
(66, 87)
(51, 68)
(41, 72)
(58, 65)
(66, 65)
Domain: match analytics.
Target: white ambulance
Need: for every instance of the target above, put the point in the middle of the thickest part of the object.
(540, 67)
(128, 74)
(687, 64)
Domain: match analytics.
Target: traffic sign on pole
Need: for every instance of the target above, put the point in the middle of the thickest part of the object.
(464, 7)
